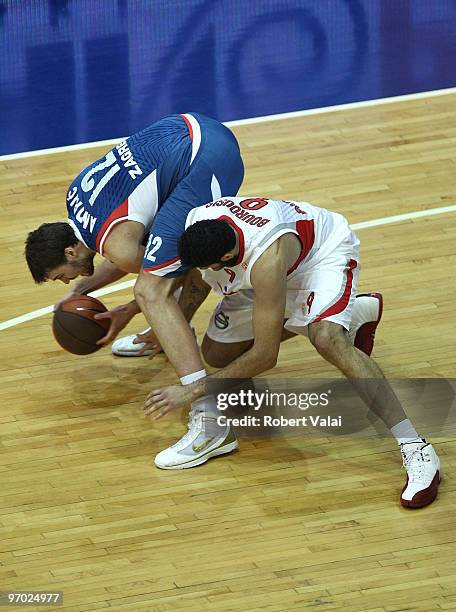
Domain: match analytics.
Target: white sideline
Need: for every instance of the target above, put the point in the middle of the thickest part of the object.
(249, 120)
(124, 285)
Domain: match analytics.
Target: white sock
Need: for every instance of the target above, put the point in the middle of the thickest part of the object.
(405, 432)
(206, 404)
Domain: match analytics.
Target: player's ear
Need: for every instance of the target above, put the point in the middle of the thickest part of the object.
(227, 256)
(71, 253)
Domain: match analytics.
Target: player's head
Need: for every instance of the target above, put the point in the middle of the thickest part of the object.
(211, 243)
(54, 253)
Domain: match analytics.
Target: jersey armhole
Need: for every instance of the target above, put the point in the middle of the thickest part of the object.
(117, 216)
(265, 246)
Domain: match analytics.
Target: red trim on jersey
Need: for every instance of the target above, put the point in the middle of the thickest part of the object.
(117, 213)
(342, 302)
(231, 273)
(168, 263)
(240, 234)
(306, 234)
(189, 125)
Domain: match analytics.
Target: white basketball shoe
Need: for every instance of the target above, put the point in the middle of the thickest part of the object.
(423, 474)
(124, 347)
(204, 439)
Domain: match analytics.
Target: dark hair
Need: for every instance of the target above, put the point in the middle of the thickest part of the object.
(205, 243)
(45, 248)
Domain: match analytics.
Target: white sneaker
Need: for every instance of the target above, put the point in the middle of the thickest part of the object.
(204, 439)
(423, 474)
(367, 313)
(124, 347)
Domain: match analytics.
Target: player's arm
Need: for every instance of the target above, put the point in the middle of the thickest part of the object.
(123, 247)
(268, 277)
(194, 291)
(105, 273)
(123, 253)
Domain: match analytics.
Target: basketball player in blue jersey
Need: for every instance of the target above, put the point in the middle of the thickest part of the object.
(130, 207)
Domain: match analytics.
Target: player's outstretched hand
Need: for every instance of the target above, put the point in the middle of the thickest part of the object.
(67, 296)
(160, 401)
(120, 316)
(151, 343)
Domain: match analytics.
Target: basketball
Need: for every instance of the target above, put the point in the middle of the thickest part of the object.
(75, 328)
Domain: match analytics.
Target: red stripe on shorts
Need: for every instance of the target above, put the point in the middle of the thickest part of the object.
(342, 302)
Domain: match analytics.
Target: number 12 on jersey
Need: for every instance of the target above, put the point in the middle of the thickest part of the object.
(153, 244)
(88, 183)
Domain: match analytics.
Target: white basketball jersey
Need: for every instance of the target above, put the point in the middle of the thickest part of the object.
(258, 223)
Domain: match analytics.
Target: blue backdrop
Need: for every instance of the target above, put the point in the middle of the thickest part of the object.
(84, 70)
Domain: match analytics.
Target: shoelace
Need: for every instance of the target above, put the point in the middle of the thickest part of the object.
(414, 462)
(194, 420)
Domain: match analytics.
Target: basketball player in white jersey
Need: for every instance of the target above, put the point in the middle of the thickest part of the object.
(276, 261)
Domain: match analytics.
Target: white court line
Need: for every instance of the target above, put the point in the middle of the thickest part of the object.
(301, 113)
(124, 285)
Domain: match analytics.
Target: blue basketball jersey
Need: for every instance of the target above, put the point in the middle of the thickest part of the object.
(156, 177)
(131, 182)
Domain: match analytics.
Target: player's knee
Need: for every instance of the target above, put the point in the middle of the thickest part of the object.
(139, 288)
(138, 291)
(326, 338)
(146, 287)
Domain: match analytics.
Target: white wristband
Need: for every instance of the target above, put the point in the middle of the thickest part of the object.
(191, 378)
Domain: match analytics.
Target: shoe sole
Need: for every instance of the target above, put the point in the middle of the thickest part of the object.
(373, 324)
(409, 503)
(131, 353)
(221, 450)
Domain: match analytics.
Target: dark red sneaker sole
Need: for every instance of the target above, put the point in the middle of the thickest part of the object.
(425, 497)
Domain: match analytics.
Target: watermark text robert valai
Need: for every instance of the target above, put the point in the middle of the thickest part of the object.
(267, 420)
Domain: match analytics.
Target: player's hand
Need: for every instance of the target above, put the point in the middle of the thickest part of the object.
(151, 343)
(160, 401)
(120, 316)
(69, 294)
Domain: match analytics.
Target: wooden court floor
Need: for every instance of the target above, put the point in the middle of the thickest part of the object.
(282, 524)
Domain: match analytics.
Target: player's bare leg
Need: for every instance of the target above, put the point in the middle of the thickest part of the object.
(366, 316)
(333, 344)
(205, 438)
(419, 457)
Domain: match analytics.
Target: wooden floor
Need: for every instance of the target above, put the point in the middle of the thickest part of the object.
(283, 524)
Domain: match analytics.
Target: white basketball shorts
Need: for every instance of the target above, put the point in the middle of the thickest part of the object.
(319, 289)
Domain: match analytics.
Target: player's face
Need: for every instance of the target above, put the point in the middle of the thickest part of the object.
(82, 266)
